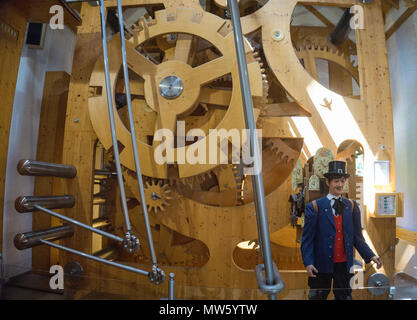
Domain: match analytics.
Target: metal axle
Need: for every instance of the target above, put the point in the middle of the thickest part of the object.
(31, 239)
(27, 203)
(27, 167)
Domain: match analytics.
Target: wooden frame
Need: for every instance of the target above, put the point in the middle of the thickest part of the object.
(398, 202)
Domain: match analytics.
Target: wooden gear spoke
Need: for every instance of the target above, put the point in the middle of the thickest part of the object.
(212, 70)
(215, 96)
(137, 62)
(184, 47)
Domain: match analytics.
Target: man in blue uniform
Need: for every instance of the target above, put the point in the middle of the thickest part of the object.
(332, 229)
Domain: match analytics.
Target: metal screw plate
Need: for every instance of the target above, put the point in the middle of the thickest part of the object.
(171, 87)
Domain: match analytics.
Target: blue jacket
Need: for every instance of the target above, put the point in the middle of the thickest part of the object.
(317, 246)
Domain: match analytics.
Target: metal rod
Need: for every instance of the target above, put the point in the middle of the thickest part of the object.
(88, 256)
(257, 181)
(101, 172)
(26, 203)
(27, 167)
(133, 134)
(80, 224)
(31, 239)
(342, 29)
(111, 118)
(171, 286)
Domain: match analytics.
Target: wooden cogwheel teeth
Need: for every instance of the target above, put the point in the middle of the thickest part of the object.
(199, 179)
(280, 149)
(158, 195)
(330, 52)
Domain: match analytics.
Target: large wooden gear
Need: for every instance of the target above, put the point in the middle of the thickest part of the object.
(168, 110)
(201, 214)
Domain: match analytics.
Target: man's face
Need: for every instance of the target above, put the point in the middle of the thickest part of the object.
(336, 186)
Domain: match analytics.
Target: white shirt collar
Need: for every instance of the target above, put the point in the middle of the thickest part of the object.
(330, 196)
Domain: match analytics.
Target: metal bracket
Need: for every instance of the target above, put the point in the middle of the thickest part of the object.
(273, 289)
(378, 284)
(131, 243)
(156, 276)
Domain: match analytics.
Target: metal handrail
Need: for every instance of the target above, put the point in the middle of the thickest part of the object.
(89, 256)
(111, 118)
(79, 224)
(133, 134)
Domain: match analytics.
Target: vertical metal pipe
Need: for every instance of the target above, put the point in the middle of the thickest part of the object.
(171, 286)
(133, 134)
(111, 117)
(89, 256)
(257, 180)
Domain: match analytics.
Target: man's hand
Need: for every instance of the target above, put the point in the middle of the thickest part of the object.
(310, 268)
(378, 261)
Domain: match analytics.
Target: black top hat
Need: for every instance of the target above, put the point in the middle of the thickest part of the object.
(337, 169)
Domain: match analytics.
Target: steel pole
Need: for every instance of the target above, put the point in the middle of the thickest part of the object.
(31, 239)
(89, 256)
(26, 203)
(133, 134)
(79, 224)
(27, 167)
(171, 286)
(257, 181)
(111, 118)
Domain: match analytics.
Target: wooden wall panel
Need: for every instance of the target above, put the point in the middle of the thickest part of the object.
(50, 142)
(10, 51)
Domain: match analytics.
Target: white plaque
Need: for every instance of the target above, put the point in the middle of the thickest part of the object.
(381, 173)
(386, 205)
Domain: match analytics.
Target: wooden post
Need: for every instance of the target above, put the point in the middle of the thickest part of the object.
(50, 141)
(79, 137)
(376, 92)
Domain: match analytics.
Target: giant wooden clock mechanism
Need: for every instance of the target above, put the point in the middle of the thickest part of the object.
(180, 67)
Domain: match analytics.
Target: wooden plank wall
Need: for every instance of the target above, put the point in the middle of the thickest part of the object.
(50, 143)
(10, 50)
(79, 136)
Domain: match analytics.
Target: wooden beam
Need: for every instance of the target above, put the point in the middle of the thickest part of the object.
(407, 235)
(284, 109)
(327, 22)
(379, 130)
(50, 141)
(39, 11)
(397, 24)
